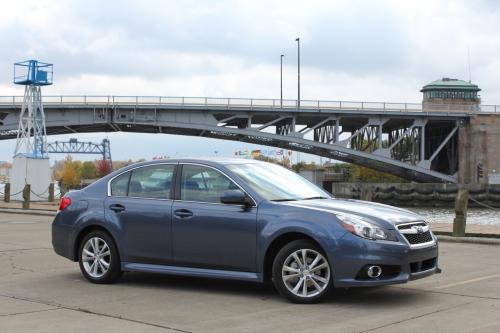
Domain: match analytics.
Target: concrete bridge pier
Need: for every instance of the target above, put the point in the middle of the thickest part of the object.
(478, 136)
(479, 154)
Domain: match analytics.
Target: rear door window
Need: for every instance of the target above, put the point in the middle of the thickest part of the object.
(119, 185)
(151, 182)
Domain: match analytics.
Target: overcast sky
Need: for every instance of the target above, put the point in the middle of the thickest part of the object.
(350, 50)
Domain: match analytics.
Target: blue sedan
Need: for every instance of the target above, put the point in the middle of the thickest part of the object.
(239, 219)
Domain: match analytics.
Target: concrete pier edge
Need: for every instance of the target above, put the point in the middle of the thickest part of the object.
(39, 212)
(486, 239)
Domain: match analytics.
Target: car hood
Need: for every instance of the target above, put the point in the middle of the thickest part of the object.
(383, 215)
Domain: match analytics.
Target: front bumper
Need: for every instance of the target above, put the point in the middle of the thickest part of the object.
(400, 263)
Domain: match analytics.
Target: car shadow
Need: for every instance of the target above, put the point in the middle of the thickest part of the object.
(368, 296)
(385, 296)
(198, 284)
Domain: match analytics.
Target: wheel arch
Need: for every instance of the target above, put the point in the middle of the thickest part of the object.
(85, 231)
(277, 243)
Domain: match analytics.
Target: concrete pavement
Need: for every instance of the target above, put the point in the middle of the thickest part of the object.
(42, 292)
(35, 205)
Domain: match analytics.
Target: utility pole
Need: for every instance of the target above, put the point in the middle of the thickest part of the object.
(298, 72)
(281, 80)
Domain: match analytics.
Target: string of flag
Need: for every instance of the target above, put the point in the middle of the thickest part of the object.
(262, 152)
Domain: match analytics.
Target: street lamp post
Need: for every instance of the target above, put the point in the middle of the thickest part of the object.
(298, 72)
(281, 81)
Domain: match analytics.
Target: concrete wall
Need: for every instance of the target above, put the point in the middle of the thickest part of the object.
(314, 176)
(417, 194)
(480, 144)
(35, 172)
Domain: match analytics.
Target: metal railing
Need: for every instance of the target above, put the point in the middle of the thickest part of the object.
(252, 103)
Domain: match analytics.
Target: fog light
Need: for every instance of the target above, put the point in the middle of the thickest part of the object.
(374, 272)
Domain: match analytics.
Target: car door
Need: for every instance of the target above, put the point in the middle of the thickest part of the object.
(140, 205)
(207, 233)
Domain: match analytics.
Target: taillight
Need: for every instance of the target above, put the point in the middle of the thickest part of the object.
(64, 202)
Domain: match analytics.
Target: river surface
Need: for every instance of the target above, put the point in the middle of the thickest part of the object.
(482, 216)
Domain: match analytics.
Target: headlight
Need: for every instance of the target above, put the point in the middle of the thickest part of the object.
(363, 229)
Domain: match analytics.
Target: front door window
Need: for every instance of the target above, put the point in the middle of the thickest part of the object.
(203, 184)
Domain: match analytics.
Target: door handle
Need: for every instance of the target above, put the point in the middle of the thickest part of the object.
(117, 208)
(183, 213)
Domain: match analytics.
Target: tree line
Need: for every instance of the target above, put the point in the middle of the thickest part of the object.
(75, 174)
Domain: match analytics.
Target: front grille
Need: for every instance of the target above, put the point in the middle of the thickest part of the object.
(419, 238)
(409, 225)
(416, 232)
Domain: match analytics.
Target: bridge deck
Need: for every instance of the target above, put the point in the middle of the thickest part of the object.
(246, 103)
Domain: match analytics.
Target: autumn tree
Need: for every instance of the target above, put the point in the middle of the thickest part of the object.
(103, 168)
(89, 170)
(368, 175)
(71, 173)
(120, 164)
(57, 169)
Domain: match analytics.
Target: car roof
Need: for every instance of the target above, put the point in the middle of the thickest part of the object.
(208, 161)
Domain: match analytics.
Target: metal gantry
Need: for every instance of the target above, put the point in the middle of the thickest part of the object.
(73, 146)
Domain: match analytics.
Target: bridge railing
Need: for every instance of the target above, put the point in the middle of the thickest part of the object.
(247, 103)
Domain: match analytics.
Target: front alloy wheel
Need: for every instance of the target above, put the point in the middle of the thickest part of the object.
(301, 272)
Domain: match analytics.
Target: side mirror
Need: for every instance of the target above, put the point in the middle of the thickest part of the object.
(234, 197)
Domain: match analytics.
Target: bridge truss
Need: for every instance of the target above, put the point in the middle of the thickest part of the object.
(392, 137)
(73, 146)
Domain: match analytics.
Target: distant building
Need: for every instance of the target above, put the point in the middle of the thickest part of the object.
(315, 176)
(324, 176)
(451, 95)
(5, 169)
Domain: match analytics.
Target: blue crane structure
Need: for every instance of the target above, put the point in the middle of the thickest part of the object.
(31, 135)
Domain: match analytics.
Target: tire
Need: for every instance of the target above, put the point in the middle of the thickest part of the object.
(94, 267)
(288, 272)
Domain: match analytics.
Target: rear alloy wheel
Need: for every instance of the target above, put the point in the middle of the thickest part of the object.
(301, 272)
(98, 258)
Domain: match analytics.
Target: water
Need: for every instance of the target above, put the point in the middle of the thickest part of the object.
(480, 216)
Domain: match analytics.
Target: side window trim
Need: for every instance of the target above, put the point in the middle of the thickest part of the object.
(171, 195)
(128, 182)
(178, 181)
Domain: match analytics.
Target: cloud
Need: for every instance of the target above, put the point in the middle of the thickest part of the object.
(350, 50)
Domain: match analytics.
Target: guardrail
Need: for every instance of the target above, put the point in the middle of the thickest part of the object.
(247, 103)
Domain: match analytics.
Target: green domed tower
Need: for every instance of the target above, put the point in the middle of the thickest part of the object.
(451, 95)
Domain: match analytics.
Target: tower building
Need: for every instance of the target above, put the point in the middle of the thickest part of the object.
(31, 162)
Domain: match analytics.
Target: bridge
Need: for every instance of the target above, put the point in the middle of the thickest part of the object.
(405, 139)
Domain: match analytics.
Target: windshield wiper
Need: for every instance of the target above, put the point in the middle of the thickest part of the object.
(287, 199)
(312, 198)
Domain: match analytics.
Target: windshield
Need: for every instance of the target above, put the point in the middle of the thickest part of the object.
(276, 183)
